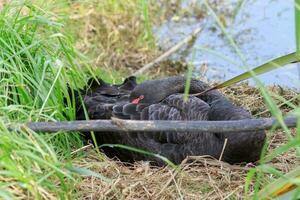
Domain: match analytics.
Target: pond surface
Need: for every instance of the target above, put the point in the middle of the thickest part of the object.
(261, 29)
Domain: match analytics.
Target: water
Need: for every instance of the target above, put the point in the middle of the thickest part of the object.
(262, 30)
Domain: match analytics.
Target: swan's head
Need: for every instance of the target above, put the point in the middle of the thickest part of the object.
(148, 92)
(154, 91)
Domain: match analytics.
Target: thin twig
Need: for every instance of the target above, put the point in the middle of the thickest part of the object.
(223, 149)
(81, 149)
(176, 185)
(168, 52)
(168, 182)
(212, 162)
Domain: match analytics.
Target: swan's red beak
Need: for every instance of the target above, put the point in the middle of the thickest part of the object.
(137, 100)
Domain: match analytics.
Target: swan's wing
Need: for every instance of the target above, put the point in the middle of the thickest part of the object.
(192, 109)
(97, 107)
(220, 107)
(223, 109)
(175, 108)
(171, 108)
(173, 145)
(241, 146)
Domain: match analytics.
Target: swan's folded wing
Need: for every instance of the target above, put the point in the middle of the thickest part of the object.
(191, 109)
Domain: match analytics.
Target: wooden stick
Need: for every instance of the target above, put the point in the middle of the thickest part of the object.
(168, 52)
(118, 125)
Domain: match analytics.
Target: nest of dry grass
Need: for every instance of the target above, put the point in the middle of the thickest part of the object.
(204, 177)
(200, 178)
(250, 98)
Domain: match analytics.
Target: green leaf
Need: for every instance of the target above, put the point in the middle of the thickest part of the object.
(249, 178)
(285, 185)
(297, 24)
(261, 69)
(141, 152)
(189, 77)
(284, 148)
(87, 172)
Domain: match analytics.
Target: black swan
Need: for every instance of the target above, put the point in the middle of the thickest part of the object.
(100, 97)
(163, 100)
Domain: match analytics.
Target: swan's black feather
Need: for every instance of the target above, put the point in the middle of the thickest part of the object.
(130, 109)
(163, 100)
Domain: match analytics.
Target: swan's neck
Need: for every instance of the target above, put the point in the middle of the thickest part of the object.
(177, 85)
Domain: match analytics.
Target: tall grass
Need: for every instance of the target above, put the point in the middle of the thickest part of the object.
(148, 28)
(297, 30)
(28, 163)
(38, 67)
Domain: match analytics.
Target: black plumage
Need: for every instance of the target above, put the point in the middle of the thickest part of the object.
(99, 98)
(163, 100)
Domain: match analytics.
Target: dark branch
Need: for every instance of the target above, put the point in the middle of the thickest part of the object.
(116, 125)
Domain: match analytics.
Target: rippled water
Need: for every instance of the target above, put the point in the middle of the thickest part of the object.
(262, 30)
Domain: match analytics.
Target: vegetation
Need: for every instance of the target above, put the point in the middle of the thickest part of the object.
(39, 66)
(293, 143)
(41, 62)
(113, 34)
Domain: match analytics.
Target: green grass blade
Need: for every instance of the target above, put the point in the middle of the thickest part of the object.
(87, 172)
(51, 88)
(284, 148)
(248, 180)
(266, 67)
(297, 24)
(286, 183)
(167, 161)
(148, 28)
(261, 69)
(189, 77)
(44, 162)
